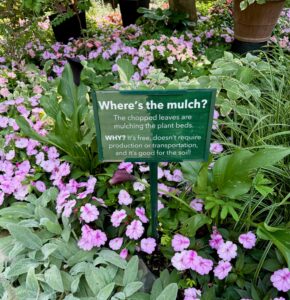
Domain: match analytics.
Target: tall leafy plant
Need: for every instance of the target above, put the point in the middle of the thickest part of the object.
(72, 130)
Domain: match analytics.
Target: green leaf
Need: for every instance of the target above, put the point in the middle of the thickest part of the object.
(19, 210)
(156, 289)
(53, 278)
(25, 236)
(243, 5)
(125, 69)
(140, 296)
(231, 173)
(31, 280)
(169, 293)
(80, 256)
(105, 292)
(132, 287)
(51, 226)
(94, 279)
(131, 270)
(191, 225)
(113, 258)
(280, 237)
(48, 249)
(22, 266)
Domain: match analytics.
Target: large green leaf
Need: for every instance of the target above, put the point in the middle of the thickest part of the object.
(53, 278)
(131, 270)
(191, 225)
(125, 69)
(106, 291)
(25, 236)
(169, 293)
(132, 287)
(113, 258)
(279, 236)
(231, 173)
(22, 266)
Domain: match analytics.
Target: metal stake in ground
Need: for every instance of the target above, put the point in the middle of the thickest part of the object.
(154, 198)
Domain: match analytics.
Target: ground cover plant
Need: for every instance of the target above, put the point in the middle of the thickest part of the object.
(75, 228)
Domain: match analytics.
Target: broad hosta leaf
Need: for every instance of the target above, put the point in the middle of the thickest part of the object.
(169, 293)
(25, 236)
(106, 291)
(53, 278)
(125, 70)
(232, 172)
(280, 237)
(131, 270)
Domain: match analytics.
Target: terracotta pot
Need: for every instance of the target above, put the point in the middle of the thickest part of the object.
(255, 24)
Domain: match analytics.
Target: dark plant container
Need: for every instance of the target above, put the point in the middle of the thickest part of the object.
(129, 9)
(70, 28)
(254, 25)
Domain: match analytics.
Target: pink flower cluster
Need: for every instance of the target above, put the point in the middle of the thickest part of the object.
(91, 238)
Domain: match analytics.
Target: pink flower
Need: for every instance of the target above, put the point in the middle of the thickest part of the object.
(89, 213)
(148, 245)
(216, 148)
(40, 185)
(86, 241)
(160, 205)
(124, 253)
(177, 176)
(222, 270)
(37, 89)
(248, 240)
(135, 230)
(160, 173)
(140, 212)
(190, 259)
(280, 298)
(128, 166)
(4, 92)
(180, 242)
(139, 186)
(163, 189)
(203, 266)
(178, 261)
(197, 204)
(144, 169)
(67, 211)
(192, 294)
(281, 280)
(99, 238)
(216, 240)
(10, 155)
(21, 143)
(124, 198)
(117, 217)
(227, 251)
(116, 243)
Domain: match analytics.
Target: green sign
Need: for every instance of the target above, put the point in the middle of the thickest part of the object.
(154, 126)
